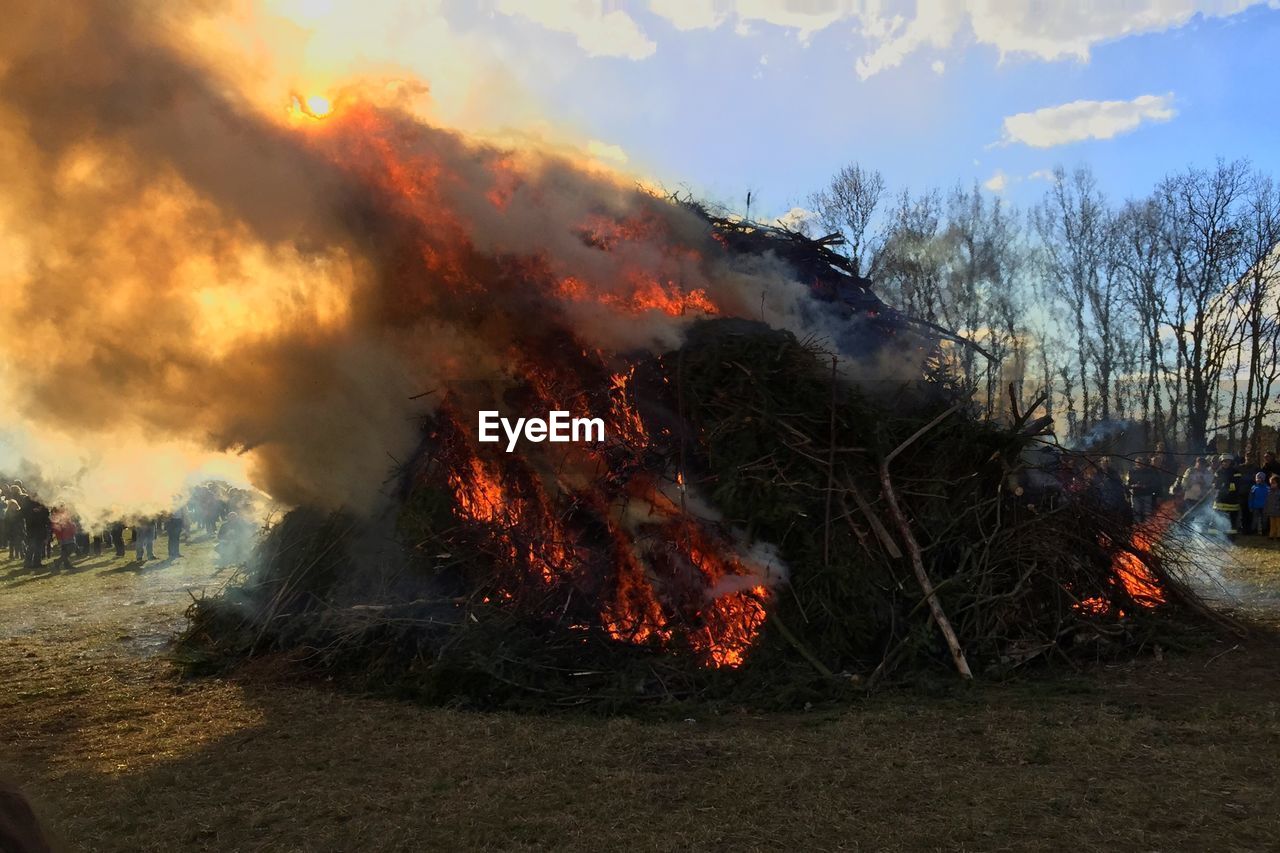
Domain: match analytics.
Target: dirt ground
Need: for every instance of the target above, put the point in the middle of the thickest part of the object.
(1170, 752)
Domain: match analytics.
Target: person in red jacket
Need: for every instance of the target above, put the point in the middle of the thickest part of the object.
(64, 530)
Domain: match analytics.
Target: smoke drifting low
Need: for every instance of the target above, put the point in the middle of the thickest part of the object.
(181, 270)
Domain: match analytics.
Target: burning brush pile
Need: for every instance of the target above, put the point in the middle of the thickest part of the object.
(768, 518)
(790, 496)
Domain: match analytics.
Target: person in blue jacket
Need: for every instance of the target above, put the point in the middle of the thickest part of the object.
(1258, 500)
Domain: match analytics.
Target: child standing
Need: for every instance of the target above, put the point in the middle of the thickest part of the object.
(1258, 498)
(1273, 508)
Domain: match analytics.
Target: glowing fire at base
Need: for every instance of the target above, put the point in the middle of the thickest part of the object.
(1131, 569)
(660, 577)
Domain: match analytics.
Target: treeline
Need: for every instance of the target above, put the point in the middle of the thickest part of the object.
(1163, 310)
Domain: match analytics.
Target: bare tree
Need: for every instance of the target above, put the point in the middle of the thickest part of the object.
(1144, 312)
(1109, 318)
(847, 206)
(1256, 295)
(1143, 269)
(913, 260)
(981, 303)
(1202, 239)
(1074, 229)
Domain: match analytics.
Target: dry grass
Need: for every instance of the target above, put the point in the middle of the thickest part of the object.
(120, 755)
(1249, 570)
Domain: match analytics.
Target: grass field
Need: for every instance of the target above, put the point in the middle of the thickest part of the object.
(1174, 752)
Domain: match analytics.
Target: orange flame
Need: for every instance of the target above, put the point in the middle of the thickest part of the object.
(543, 513)
(1131, 568)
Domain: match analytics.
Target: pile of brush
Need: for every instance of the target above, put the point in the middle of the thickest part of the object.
(920, 538)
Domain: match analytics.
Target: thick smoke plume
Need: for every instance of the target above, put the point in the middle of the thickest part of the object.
(181, 268)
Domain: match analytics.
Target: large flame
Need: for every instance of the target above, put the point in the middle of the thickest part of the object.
(1130, 568)
(300, 285)
(1130, 563)
(192, 257)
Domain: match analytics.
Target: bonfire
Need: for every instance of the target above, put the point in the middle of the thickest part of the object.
(790, 507)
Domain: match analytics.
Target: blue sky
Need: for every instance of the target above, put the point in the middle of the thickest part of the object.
(772, 96)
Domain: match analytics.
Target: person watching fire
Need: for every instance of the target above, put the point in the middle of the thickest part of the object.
(1230, 487)
(1258, 494)
(144, 538)
(64, 530)
(1143, 486)
(1272, 509)
(1197, 482)
(13, 525)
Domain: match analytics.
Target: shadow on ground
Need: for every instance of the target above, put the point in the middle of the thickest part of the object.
(1173, 752)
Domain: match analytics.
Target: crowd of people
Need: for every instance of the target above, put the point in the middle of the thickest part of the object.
(1246, 493)
(1249, 495)
(1234, 494)
(34, 531)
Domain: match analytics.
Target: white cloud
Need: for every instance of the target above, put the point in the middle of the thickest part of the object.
(797, 219)
(598, 32)
(935, 24)
(806, 17)
(1081, 120)
(997, 182)
(689, 14)
(1046, 31)
(1070, 30)
(607, 151)
(938, 66)
(895, 29)
(1041, 175)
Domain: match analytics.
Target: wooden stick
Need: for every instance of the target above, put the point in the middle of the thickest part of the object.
(800, 647)
(831, 469)
(916, 435)
(847, 515)
(877, 525)
(917, 563)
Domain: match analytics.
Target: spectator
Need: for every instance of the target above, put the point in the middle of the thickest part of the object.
(1273, 507)
(117, 537)
(1197, 482)
(1105, 488)
(144, 538)
(173, 525)
(1258, 501)
(1270, 464)
(1164, 470)
(1143, 486)
(206, 509)
(64, 529)
(1228, 482)
(1248, 474)
(39, 530)
(13, 527)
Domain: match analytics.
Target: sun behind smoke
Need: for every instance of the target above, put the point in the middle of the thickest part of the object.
(318, 106)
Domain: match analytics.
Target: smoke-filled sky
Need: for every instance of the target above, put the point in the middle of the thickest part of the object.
(204, 279)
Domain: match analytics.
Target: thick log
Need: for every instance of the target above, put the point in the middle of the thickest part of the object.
(913, 547)
(917, 564)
